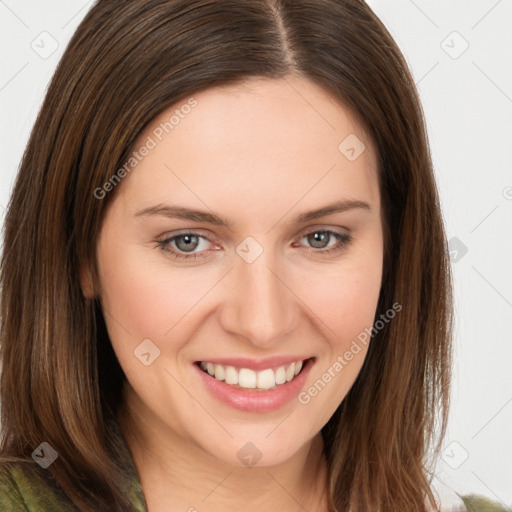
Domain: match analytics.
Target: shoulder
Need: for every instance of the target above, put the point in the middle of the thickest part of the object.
(27, 487)
(447, 498)
(23, 488)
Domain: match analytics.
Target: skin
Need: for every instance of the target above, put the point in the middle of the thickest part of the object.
(259, 154)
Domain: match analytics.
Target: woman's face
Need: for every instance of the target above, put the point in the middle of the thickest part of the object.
(211, 253)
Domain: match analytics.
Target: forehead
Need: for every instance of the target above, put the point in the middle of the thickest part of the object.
(261, 142)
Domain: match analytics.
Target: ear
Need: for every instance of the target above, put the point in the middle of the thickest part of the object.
(86, 283)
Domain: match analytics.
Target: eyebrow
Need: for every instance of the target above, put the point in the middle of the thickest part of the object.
(181, 212)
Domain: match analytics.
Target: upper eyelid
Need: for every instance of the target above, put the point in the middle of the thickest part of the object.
(318, 229)
(302, 234)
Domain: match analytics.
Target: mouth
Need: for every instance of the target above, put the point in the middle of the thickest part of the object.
(252, 386)
(247, 378)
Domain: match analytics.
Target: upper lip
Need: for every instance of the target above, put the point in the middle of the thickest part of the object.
(256, 364)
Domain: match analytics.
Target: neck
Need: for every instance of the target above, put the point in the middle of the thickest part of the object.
(176, 474)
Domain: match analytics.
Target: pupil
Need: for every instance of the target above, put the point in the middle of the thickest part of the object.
(318, 239)
(190, 243)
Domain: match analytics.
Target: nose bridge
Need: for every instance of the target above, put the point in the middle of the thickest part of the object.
(262, 309)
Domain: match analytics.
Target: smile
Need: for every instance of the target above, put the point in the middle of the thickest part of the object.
(255, 386)
(268, 378)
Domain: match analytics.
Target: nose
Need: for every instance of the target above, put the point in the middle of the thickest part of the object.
(261, 307)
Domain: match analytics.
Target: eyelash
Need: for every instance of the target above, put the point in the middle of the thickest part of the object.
(343, 240)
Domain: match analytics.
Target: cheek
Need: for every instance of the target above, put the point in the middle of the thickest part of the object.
(344, 298)
(346, 301)
(143, 299)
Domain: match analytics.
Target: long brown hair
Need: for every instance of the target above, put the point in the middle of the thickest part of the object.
(128, 61)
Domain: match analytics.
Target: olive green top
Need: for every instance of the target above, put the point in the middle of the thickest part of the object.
(24, 488)
(28, 487)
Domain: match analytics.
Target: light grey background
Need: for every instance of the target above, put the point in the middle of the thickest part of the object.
(467, 99)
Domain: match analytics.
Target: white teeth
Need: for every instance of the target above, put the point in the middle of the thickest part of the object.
(250, 379)
(290, 372)
(247, 378)
(219, 372)
(266, 379)
(280, 375)
(231, 375)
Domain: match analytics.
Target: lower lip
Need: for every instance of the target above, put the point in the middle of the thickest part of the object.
(252, 400)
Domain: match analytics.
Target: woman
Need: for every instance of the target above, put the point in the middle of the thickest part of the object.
(225, 279)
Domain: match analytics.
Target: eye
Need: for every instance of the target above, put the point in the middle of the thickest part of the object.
(319, 240)
(182, 246)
